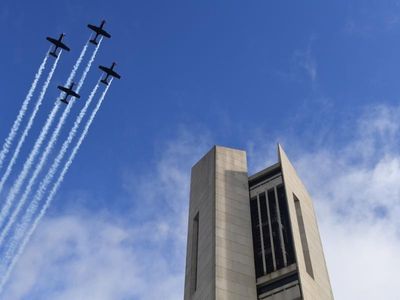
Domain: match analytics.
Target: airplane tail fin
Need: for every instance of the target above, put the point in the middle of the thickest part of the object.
(104, 81)
(93, 41)
(64, 101)
(53, 53)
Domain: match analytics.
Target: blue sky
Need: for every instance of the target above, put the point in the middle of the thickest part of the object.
(321, 78)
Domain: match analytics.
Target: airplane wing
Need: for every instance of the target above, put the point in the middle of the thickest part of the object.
(104, 69)
(105, 33)
(114, 74)
(64, 89)
(51, 40)
(63, 46)
(94, 28)
(73, 94)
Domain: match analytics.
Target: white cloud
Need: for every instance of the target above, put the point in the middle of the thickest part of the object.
(357, 194)
(356, 191)
(83, 257)
(97, 256)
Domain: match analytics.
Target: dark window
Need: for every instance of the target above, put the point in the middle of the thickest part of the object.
(275, 229)
(255, 224)
(286, 228)
(266, 234)
(195, 251)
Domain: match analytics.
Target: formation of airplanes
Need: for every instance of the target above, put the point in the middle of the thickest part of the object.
(59, 45)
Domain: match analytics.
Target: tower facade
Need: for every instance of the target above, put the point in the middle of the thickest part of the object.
(254, 237)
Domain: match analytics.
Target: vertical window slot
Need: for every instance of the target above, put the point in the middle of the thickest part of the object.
(303, 237)
(195, 252)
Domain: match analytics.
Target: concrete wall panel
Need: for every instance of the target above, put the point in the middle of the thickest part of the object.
(318, 287)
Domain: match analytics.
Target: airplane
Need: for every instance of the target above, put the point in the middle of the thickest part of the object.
(109, 72)
(68, 92)
(99, 31)
(57, 44)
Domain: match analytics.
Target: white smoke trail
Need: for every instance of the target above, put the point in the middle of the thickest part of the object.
(77, 64)
(28, 126)
(45, 154)
(82, 80)
(20, 231)
(50, 174)
(35, 151)
(27, 165)
(14, 129)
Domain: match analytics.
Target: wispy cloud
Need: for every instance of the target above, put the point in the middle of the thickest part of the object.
(302, 65)
(305, 59)
(375, 19)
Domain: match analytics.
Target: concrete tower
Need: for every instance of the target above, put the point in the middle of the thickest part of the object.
(252, 237)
